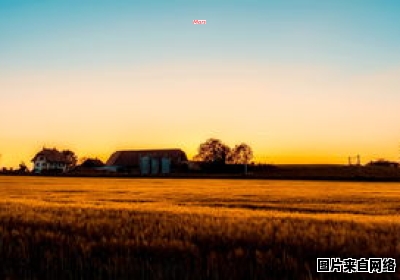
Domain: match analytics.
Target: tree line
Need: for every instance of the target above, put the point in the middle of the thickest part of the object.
(216, 152)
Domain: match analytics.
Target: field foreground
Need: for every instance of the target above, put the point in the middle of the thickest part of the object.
(68, 228)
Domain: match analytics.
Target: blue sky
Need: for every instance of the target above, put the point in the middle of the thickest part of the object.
(74, 34)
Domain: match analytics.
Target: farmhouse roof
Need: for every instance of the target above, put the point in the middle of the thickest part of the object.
(52, 155)
(132, 157)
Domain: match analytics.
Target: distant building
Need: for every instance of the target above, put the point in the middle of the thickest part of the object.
(147, 161)
(92, 163)
(51, 160)
(194, 165)
(384, 163)
(90, 166)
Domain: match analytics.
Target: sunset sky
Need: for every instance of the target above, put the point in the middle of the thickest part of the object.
(299, 81)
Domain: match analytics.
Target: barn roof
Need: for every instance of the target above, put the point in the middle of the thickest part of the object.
(132, 158)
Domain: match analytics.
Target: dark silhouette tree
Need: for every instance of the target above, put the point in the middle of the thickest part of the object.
(71, 158)
(240, 154)
(22, 168)
(212, 151)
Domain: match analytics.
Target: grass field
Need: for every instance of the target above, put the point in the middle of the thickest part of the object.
(71, 228)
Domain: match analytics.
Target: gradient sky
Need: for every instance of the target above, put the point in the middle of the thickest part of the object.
(299, 81)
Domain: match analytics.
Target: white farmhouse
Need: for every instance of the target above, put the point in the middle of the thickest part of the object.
(51, 160)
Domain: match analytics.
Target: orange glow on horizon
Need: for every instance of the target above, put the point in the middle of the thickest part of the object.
(321, 116)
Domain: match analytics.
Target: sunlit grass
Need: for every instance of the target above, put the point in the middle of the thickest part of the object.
(191, 229)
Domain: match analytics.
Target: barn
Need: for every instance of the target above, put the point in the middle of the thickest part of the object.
(144, 162)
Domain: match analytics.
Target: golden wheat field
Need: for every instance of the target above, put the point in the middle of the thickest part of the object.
(97, 228)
